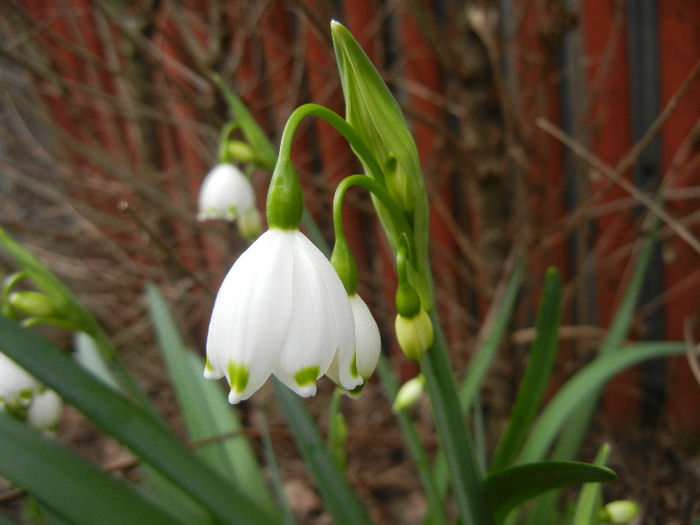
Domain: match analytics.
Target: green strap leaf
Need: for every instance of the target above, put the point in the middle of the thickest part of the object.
(588, 502)
(508, 488)
(464, 470)
(130, 424)
(340, 499)
(68, 484)
(582, 385)
(537, 372)
(204, 407)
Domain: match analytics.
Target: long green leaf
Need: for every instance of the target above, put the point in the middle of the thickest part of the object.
(574, 431)
(508, 488)
(340, 499)
(68, 484)
(464, 470)
(204, 407)
(588, 502)
(585, 382)
(485, 353)
(537, 372)
(129, 424)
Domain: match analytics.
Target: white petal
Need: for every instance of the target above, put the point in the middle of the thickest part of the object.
(340, 317)
(14, 379)
(45, 410)
(309, 346)
(225, 193)
(368, 343)
(251, 315)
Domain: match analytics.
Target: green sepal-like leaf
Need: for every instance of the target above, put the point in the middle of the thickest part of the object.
(508, 488)
(69, 485)
(374, 113)
(537, 372)
(130, 424)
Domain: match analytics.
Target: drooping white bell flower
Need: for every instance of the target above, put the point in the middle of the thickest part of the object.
(225, 194)
(281, 309)
(362, 362)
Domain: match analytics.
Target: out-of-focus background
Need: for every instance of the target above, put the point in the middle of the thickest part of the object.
(110, 119)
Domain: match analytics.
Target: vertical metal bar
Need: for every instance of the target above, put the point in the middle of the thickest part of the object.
(643, 42)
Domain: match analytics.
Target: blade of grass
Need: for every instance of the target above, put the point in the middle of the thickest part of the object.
(341, 501)
(582, 385)
(536, 376)
(204, 408)
(129, 424)
(68, 484)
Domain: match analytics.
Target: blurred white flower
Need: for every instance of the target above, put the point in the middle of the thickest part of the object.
(281, 309)
(23, 396)
(225, 193)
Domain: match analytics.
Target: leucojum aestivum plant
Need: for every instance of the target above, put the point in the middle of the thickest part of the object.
(287, 311)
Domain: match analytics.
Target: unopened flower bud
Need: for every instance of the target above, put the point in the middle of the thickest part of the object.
(45, 410)
(620, 511)
(398, 184)
(240, 151)
(35, 304)
(415, 334)
(409, 393)
(250, 223)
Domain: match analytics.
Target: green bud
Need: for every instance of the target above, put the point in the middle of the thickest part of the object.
(35, 304)
(285, 201)
(620, 511)
(344, 264)
(409, 393)
(239, 151)
(415, 334)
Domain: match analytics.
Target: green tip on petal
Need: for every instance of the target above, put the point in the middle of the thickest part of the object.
(306, 376)
(207, 366)
(238, 377)
(353, 367)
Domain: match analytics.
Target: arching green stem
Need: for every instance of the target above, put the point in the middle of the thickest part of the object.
(226, 130)
(342, 126)
(397, 215)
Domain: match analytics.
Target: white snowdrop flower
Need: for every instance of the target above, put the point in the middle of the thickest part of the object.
(225, 193)
(15, 382)
(45, 410)
(22, 395)
(363, 360)
(281, 309)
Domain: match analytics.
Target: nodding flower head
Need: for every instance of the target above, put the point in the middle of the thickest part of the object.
(226, 193)
(281, 310)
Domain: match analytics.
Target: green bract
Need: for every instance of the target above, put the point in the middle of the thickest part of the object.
(374, 114)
